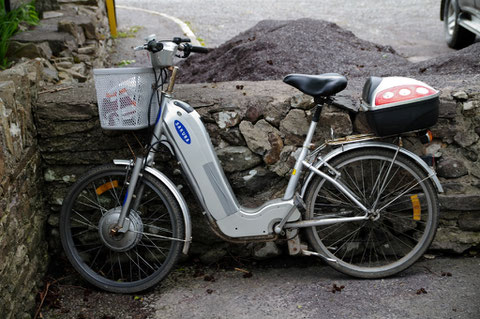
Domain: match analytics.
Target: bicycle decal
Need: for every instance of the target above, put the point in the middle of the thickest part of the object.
(182, 131)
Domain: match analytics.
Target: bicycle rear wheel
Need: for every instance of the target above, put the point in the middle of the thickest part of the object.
(124, 262)
(405, 199)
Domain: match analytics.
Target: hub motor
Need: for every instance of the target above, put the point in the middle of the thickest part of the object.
(120, 241)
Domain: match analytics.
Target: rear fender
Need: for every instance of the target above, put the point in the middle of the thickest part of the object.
(380, 145)
(178, 196)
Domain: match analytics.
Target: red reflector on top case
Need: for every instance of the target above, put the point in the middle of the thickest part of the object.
(402, 93)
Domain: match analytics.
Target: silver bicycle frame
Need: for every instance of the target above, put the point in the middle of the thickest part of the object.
(180, 127)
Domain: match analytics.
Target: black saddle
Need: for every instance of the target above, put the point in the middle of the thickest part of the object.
(322, 85)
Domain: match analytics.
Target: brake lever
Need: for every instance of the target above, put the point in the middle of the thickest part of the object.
(139, 48)
(179, 40)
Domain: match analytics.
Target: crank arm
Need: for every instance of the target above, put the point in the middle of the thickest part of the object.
(297, 204)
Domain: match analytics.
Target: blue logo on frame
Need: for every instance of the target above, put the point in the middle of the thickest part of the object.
(182, 131)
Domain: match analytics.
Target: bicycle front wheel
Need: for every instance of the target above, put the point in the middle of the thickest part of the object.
(406, 202)
(124, 262)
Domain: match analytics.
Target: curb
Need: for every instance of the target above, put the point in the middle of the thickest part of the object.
(185, 28)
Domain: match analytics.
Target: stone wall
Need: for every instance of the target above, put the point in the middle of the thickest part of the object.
(23, 249)
(46, 5)
(71, 41)
(458, 151)
(61, 50)
(256, 128)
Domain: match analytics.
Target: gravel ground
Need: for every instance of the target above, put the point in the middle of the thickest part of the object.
(293, 288)
(284, 288)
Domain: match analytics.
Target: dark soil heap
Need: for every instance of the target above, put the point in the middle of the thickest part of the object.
(273, 49)
(465, 61)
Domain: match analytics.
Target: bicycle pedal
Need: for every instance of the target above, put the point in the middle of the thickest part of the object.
(312, 253)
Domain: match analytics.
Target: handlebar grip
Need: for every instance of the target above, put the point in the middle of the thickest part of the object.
(197, 49)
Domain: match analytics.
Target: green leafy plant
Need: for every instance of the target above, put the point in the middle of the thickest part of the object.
(9, 25)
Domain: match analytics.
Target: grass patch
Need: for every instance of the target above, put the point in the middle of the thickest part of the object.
(129, 33)
(9, 25)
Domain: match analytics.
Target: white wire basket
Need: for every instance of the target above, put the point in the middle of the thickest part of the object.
(124, 96)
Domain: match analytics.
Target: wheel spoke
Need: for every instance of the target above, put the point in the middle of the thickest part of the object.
(89, 225)
(156, 247)
(114, 193)
(403, 193)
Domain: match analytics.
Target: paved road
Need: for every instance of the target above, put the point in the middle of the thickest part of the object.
(412, 27)
(149, 23)
(306, 292)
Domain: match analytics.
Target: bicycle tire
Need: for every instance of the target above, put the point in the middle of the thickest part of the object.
(124, 263)
(404, 229)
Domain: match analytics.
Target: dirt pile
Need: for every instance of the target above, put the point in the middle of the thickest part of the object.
(273, 49)
(465, 61)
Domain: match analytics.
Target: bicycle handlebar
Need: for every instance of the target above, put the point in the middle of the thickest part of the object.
(183, 45)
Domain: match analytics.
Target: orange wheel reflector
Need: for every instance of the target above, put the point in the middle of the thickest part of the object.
(105, 187)
(430, 135)
(417, 211)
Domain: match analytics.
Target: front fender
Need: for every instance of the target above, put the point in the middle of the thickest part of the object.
(363, 145)
(178, 196)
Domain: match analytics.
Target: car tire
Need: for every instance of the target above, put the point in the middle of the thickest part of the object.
(457, 37)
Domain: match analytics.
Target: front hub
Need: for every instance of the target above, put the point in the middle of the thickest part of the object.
(375, 215)
(120, 241)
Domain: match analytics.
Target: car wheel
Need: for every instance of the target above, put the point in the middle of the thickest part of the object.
(457, 37)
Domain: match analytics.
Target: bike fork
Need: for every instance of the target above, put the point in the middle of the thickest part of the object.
(123, 226)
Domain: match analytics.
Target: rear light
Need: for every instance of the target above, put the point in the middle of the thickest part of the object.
(402, 93)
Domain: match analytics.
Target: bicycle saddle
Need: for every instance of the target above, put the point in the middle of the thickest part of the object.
(317, 85)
